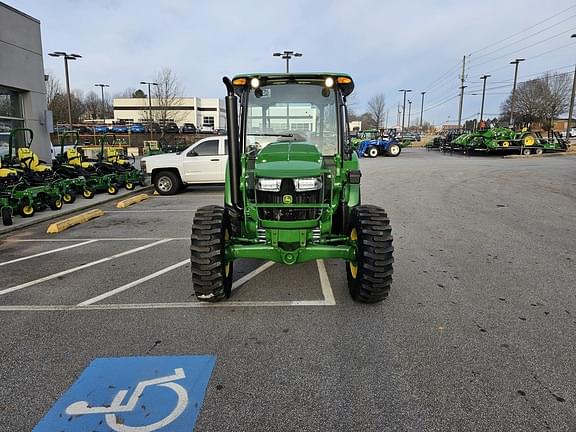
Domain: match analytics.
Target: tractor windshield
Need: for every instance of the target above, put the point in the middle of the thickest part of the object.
(292, 112)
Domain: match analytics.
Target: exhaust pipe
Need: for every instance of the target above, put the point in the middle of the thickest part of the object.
(233, 144)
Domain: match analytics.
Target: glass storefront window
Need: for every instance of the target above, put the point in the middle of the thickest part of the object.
(10, 103)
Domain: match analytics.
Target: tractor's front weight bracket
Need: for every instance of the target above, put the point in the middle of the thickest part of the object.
(299, 255)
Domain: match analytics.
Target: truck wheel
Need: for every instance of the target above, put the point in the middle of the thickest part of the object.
(167, 183)
(211, 274)
(372, 152)
(6, 216)
(394, 150)
(370, 277)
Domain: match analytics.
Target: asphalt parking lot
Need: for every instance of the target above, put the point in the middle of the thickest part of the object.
(478, 332)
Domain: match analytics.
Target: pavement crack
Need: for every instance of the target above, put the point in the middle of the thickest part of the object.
(156, 343)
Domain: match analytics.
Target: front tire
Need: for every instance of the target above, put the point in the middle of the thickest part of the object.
(69, 197)
(211, 274)
(394, 150)
(55, 203)
(370, 277)
(526, 152)
(167, 183)
(372, 152)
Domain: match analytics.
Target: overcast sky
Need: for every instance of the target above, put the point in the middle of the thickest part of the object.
(384, 45)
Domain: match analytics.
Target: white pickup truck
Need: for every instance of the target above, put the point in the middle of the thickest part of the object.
(204, 162)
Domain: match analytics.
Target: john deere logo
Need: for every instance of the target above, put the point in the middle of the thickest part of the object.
(287, 199)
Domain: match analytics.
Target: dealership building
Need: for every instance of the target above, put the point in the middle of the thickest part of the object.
(202, 112)
(22, 84)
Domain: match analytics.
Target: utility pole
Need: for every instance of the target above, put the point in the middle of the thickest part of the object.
(66, 58)
(462, 87)
(409, 112)
(398, 117)
(103, 103)
(386, 119)
(483, 78)
(515, 62)
(149, 104)
(403, 108)
(422, 110)
(287, 55)
(571, 107)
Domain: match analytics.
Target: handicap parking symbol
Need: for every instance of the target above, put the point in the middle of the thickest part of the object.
(133, 394)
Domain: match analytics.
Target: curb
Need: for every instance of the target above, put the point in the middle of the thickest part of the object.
(64, 211)
(64, 224)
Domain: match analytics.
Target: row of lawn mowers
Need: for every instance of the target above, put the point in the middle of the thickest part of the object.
(375, 143)
(28, 185)
(499, 140)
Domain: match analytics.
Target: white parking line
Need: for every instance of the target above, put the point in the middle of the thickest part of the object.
(133, 284)
(252, 275)
(325, 284)
(82, 267)
(46, 253)
(99, 239)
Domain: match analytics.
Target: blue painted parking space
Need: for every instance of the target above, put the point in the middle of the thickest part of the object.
(136, 394)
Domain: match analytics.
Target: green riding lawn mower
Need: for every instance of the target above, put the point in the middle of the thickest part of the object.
(292, 190)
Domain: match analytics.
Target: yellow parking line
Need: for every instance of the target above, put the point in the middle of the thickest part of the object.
(64, 224)
(132, 200)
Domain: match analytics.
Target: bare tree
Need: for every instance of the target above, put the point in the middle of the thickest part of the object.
(59, 107)
(93, 105)
(539, 100)
(377, 108)
(168, 95)
(53, 88)
(127, 93)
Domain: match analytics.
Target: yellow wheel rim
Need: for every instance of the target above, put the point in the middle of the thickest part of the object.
(227, 265)
(28, 210)
(529, 140)
(87, 193)
(58, 204)
(111, 190)
(505, 144)
(353, 267)
(67, 198)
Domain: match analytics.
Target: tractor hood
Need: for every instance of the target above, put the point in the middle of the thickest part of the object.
(288, 159)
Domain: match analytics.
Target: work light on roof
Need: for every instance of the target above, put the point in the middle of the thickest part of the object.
(255, 83)
(329, 82)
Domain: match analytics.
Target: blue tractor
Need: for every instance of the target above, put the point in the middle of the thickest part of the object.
(388, 146)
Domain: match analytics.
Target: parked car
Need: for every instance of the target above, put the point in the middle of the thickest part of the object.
(408, 136)
(206, 129)
(171, 128)
(154, 127)
(189, 128)
(101, 129)
(204, 162)
(85, 129)
(120, 128)
(221, 132)
(137, 128)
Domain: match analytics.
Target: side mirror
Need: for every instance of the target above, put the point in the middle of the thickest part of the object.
(192, 153)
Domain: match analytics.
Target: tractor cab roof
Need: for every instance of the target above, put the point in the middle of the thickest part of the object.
(342, 80)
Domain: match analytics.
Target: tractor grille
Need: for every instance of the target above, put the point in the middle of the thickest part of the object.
(287, 213)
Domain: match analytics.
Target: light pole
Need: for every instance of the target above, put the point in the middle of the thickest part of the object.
(149, 104)
(422, 110)
(287, 55)
(515, 63)
(66, 58)
(483, 78)
(103, 105)
(403, 108)
(409, 112)
(571, 107)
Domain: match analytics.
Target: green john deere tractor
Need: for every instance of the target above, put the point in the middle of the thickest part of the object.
(292, 190)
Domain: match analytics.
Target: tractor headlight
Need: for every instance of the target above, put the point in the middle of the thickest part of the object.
(268, 185)
(329, 82)
(307, 184)
(255, 83)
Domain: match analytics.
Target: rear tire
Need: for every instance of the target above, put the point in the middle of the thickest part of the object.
(167, 183)
(394, 150)
(6, 216)
(69, 197)
(211, 275)
(55, 203)
(370, 278)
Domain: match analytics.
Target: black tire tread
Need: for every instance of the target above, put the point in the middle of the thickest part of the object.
(375, 254)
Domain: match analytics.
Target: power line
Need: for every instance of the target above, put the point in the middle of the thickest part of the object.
(525, 37)
(523, 30)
